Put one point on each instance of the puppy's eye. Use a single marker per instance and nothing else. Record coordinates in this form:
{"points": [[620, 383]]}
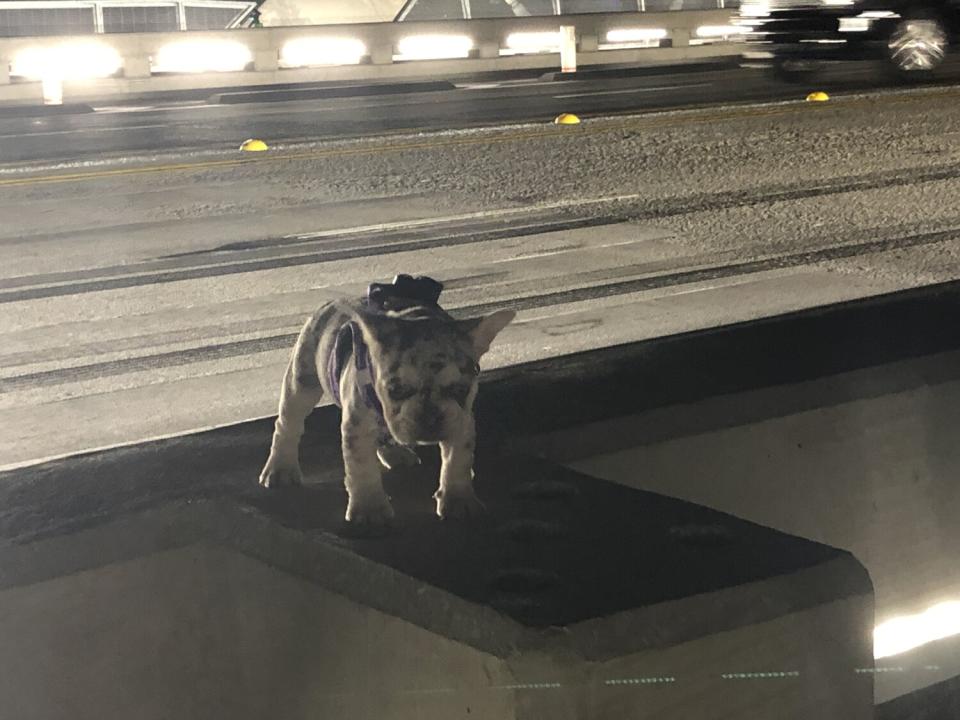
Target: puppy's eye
{"points": [[398, 391], [459, 392]]}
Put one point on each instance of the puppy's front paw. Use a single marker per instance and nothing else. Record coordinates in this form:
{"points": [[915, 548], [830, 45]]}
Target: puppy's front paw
{"points": [[462, 503], [369, 510], [276, 474]]}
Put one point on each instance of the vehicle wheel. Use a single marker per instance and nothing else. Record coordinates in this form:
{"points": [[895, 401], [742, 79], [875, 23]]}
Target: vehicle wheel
{"points": [[795, 71], [917, 45]]}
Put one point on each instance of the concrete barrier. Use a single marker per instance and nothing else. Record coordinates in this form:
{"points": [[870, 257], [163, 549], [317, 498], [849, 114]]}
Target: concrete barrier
{"points": [[383, 51], [837, 425], [573, 599]]}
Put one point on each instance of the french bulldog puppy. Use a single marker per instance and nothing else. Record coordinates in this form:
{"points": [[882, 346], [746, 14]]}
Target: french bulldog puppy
{"points": [[404, 373]]}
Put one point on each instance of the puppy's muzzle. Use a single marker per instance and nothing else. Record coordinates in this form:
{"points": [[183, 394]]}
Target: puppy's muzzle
{"points": [[429, 424]]}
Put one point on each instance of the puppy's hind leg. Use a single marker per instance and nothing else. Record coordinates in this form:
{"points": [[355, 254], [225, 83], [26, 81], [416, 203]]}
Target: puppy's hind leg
{"points": [[299, 395]]}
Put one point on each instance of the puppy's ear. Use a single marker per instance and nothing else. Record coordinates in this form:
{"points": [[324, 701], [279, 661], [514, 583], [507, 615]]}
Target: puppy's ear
{"points": [[483, 330]]}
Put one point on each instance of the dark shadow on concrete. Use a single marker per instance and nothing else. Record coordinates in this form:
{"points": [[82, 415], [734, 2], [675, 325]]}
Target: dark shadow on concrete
{"points": [[937, 702]]}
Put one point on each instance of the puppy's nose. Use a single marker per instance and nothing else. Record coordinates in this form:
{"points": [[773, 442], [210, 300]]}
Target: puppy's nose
{"points": [[429, 419]]}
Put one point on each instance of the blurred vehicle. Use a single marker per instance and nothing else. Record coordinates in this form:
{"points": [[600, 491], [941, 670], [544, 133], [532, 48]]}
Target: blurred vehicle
{"points": [[794, 37]]}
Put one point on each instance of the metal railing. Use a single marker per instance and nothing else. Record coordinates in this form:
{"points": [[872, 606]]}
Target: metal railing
{"points": [[26, 18], [424, 10]]}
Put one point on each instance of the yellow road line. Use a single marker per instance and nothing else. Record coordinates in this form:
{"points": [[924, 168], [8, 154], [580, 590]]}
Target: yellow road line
{"points": [[695, 118]]}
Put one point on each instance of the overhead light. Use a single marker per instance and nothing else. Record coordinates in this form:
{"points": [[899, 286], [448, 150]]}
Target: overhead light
{"points": [[434, 47], [533, 42], [77, 60], [196, 56], [317, 51], [631, 35], [910, 631]]}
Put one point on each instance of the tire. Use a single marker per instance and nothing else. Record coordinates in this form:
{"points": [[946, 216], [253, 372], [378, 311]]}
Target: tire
{"points": [[916, 46]]}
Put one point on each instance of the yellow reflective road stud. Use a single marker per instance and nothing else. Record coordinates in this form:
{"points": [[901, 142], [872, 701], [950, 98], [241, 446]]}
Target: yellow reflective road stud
{"points": [[566, 119], [253, 145]]}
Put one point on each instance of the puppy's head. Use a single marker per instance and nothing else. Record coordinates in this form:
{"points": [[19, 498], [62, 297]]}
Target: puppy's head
{"points": [[426, 370]]}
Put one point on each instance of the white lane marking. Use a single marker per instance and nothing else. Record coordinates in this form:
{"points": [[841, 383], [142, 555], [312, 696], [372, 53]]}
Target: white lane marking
{"points": [[478, 86], [560, 251], [84, 130], [480, 214], [631, 90], [117, 110], [242, 109], [112, 109], [370, 102], [515, 84]]}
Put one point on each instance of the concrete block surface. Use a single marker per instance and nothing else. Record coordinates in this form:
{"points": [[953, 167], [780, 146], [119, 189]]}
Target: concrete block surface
{"points": [[572, 598]]}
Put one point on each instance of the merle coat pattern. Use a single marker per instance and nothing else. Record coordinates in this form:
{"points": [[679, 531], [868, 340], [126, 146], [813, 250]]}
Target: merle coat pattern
{"points": [[425, 367]]}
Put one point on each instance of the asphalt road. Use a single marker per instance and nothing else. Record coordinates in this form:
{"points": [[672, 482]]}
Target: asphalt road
{"points": [[152, 127], [142, 297]]}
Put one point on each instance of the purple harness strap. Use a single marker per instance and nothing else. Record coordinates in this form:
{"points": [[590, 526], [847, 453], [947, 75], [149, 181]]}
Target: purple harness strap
{"points": [[365, 377], [422, 289]]}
